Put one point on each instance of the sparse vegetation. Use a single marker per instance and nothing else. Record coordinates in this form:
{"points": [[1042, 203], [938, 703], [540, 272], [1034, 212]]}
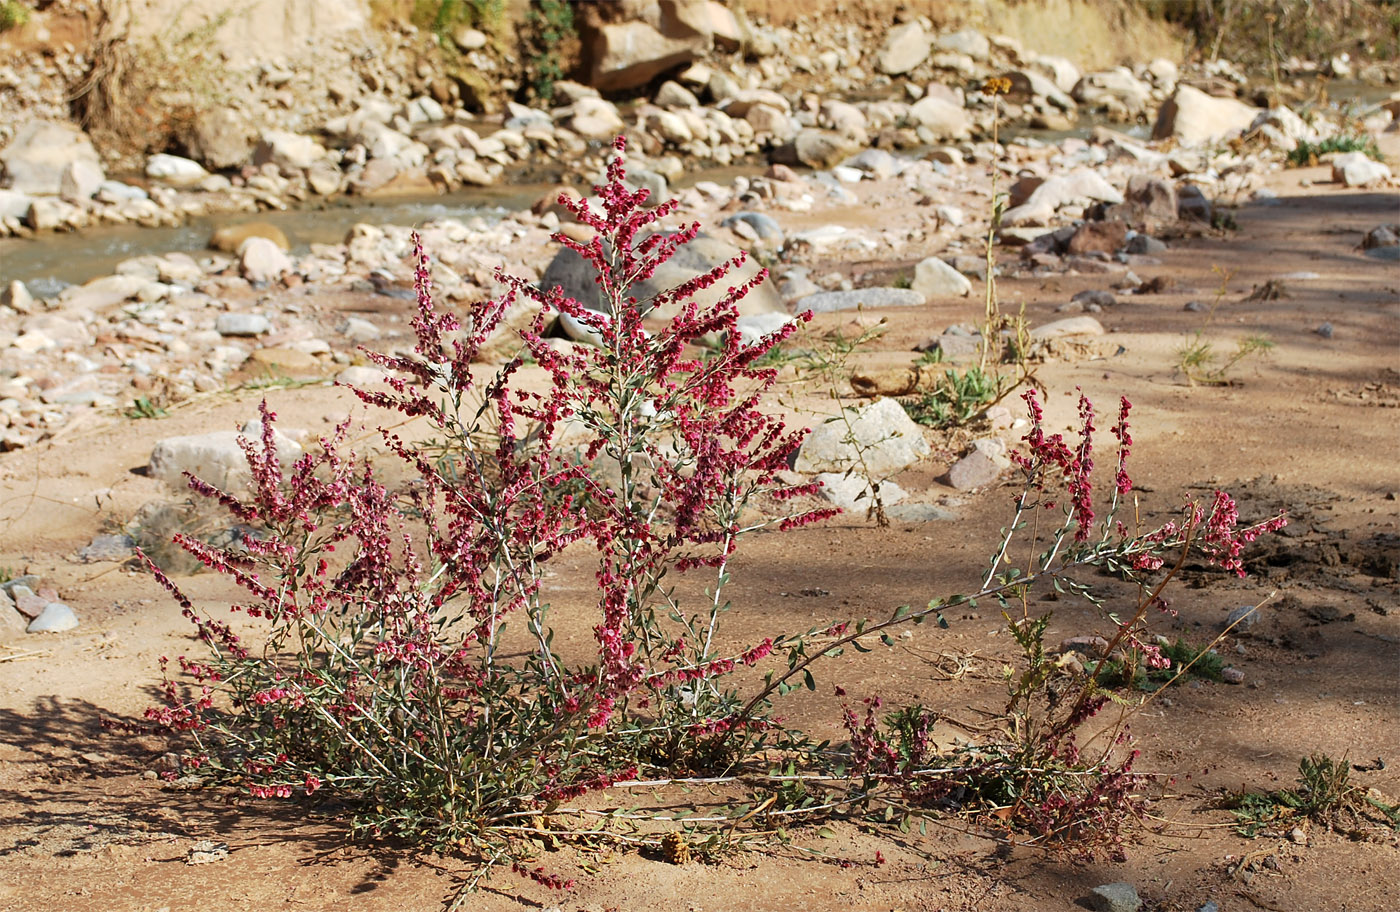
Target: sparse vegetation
{"points": [[1324, 790], [549, 24], [141, 97], [958, 397], [1308, 153], [1197, 358], [13, 14]]}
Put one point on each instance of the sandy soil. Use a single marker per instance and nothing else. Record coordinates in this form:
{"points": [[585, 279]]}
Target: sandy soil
{"points": [[1312, 428]]}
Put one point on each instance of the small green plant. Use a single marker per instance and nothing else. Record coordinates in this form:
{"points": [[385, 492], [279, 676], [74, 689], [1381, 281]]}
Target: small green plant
{"points": [[13, 14], [1324, 787], [1197, 359], [1306, 153], [1134, 673], [956, 399], [143, 407]]}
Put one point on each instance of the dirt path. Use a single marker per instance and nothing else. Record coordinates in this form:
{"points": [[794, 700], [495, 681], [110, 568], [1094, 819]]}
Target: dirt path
{"points": [[1311, 428]]}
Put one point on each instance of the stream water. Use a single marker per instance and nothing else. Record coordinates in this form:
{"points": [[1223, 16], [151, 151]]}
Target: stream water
{"points": [[47, 264]]}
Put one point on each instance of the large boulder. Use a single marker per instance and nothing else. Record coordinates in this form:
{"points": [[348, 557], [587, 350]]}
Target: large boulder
{"points": [[628, 55], [906, 46], [942, 118], [1192, 117], [220, 138], [881, 439], [570, 273], [819, 149], [215, 457], [290, 152], [40, 152]]}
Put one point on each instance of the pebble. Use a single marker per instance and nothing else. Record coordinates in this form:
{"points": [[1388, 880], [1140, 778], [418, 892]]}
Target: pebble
{"points": [[981, 466], [1231, 675], [1244, 617], [55, 618], [242, 324], [107, 548], [1325, 330], [1115, 897]]}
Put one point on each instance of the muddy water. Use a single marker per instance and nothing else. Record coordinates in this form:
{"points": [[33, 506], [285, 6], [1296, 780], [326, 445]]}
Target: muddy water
{"points": [[47, 263]]}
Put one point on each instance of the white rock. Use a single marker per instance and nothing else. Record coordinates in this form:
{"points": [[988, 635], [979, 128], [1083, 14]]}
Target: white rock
{"points": [[969, 42], [104, 292], [755, 326], [853, 492], [906, 46], [117, 192], [1193, 117], [358, 329], [81, 180], [174, 170], [941, 117], [261, 260], [215, 457], [39, 153], [55, 618], [1070, 326], [882, 440], [595, 118], [242, 324], [934, 278], [1354, 169], [362, 377], [16, 296], [290, 152]]}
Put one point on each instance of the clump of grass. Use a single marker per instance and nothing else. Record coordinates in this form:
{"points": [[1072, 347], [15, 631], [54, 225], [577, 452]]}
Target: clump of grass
{"points": [[143, 407], [13, 15], [1324, 787], [1133, 673], [1197, 359], [956, 399], [1306, 154]]}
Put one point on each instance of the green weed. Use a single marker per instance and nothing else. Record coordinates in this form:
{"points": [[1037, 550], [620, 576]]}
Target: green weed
{"points": [[1308, 153], [1197, 359], [1324, 786], [956, 400], [13, 15], [143, 407]]}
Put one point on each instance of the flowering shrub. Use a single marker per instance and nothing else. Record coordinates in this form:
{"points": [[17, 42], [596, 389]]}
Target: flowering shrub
{"points": [[388, 674], [384, 666]]}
